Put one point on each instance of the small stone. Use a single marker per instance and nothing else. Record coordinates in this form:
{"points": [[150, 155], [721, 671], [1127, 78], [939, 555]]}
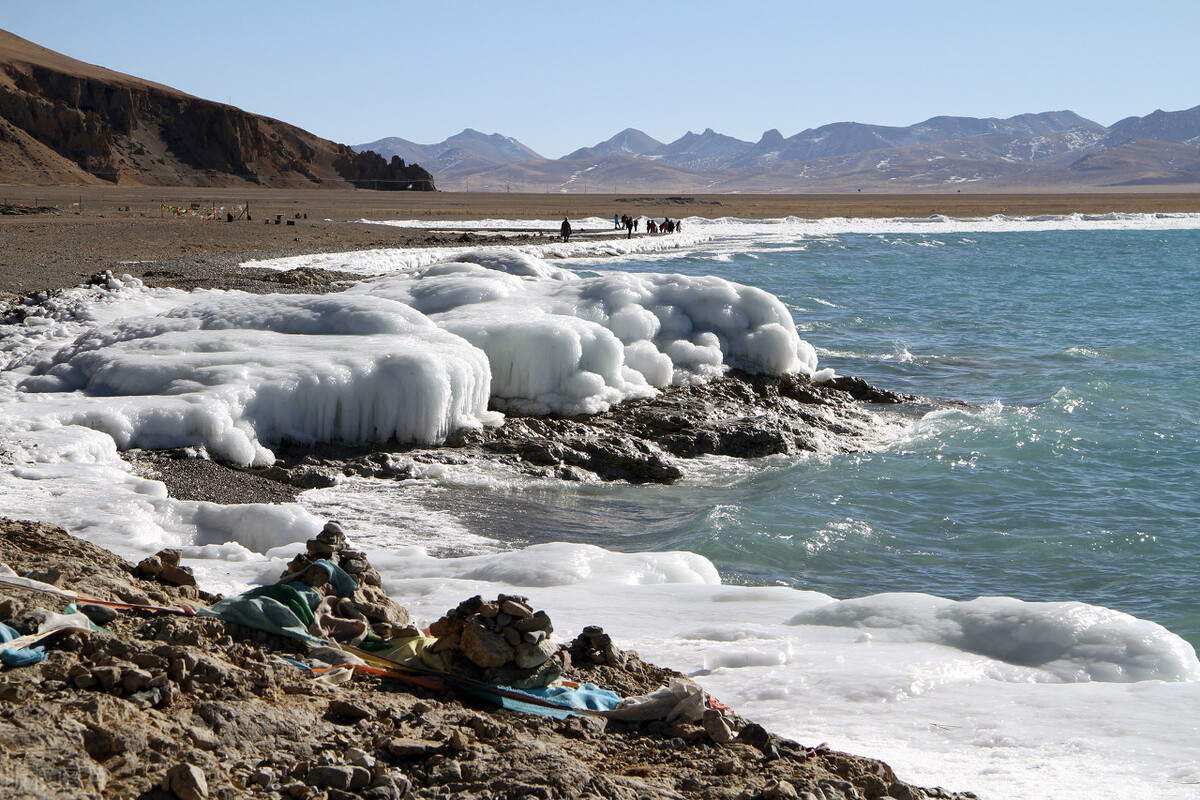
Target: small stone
{"points": [[177, 575], [86, 681], [387, 787], [685, 731], [538, 622], [403, 746], [459, 741], [99, 615], [354, 755], [297, 790], [54, 577], [716, 726], [613, 656], [332, 776], [203, 737], [319, 549], [186, 781], [150, 566], [333, 533], [485, 728], [350, 711], [107, 677], [485, 648], [780, 790], [516, 609], [169, 557], [528, 656], [754, 735], [134, 680]]}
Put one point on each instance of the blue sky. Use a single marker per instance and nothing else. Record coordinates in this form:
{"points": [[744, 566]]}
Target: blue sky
{"points": [[562, 75]]}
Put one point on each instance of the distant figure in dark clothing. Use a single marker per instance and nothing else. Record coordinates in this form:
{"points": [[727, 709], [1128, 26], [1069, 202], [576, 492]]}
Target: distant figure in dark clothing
{"points": [[565, 230], [629, 227]]}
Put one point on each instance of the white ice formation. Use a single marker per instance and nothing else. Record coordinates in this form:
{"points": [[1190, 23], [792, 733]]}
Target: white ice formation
{"points": [[409, 356]]}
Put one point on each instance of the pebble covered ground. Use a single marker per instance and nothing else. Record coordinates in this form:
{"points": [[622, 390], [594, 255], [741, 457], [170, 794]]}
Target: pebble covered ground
{"points": [[161, 706]]}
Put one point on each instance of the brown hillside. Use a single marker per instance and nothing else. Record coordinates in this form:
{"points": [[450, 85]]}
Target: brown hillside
{"points": [[64, 121]]}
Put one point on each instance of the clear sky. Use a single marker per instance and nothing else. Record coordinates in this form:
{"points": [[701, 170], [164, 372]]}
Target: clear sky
{"points": [[561, 75]]}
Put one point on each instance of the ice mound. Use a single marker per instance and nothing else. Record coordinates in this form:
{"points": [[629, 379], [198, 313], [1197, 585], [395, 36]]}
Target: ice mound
{"points": [[562, 344], [232, 371], [1065, 641], [410, 356]]}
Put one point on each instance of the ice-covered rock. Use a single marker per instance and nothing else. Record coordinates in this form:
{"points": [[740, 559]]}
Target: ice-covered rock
{"points": [[409, 357]]}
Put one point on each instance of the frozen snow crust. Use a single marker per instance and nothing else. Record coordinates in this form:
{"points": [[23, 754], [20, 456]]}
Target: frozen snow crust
{"points": [[410, 356]]}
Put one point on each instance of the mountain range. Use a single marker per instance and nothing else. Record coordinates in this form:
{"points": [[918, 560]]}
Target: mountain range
{"points": [[65, 121], [1049, 151]]}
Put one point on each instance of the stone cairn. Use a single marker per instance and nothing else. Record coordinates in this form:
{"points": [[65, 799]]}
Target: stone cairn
{"points": [[164, 567], [502, 641], [369, 603]]}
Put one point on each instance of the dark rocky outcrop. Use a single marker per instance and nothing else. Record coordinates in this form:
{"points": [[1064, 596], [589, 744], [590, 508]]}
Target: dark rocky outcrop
{"points": [[639, 441], [368, 170]]}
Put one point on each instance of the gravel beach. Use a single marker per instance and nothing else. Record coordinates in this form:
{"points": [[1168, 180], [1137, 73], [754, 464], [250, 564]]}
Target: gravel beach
{"points": [[134, 230]]}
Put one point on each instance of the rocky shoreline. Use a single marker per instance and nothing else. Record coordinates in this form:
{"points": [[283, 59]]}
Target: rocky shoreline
{"points": [[639, 441], [170, 706]]}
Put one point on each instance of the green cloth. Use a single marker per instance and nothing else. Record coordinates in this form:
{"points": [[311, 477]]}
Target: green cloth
{"points": [[282, 608], [285, 608]]}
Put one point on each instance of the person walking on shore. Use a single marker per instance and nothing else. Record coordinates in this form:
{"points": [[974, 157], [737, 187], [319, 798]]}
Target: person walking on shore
{"points": [[565, 230]]}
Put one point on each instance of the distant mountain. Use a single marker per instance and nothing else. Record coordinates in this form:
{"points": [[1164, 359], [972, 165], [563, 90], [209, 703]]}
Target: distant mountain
{"points": [[466, 150], [842, 138], [1050, 151], [64, 121], [1170, 126], [705, 151], [629, 142]]}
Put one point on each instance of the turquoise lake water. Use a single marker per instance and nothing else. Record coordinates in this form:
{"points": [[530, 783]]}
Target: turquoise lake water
{"points": [[1072, 474]]}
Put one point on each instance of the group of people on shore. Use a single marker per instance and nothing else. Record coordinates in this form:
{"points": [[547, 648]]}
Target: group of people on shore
{"points": [[629, 224]]}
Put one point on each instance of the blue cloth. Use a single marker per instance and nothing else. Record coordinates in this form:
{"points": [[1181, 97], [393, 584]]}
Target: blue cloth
{"points": [[18, 658], [587, 696]]}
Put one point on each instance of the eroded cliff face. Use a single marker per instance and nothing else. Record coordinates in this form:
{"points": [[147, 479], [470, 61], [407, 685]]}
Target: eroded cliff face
{"points": [[75, 128]]}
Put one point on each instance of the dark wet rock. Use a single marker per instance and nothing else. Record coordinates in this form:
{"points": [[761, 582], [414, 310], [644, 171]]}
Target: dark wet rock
{"points": [[638, 441]]}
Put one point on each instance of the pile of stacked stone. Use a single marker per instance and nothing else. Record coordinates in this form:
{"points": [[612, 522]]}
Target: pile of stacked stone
{"points": [[502, 641], [369, 603], [164, 567], [594, 646]]}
